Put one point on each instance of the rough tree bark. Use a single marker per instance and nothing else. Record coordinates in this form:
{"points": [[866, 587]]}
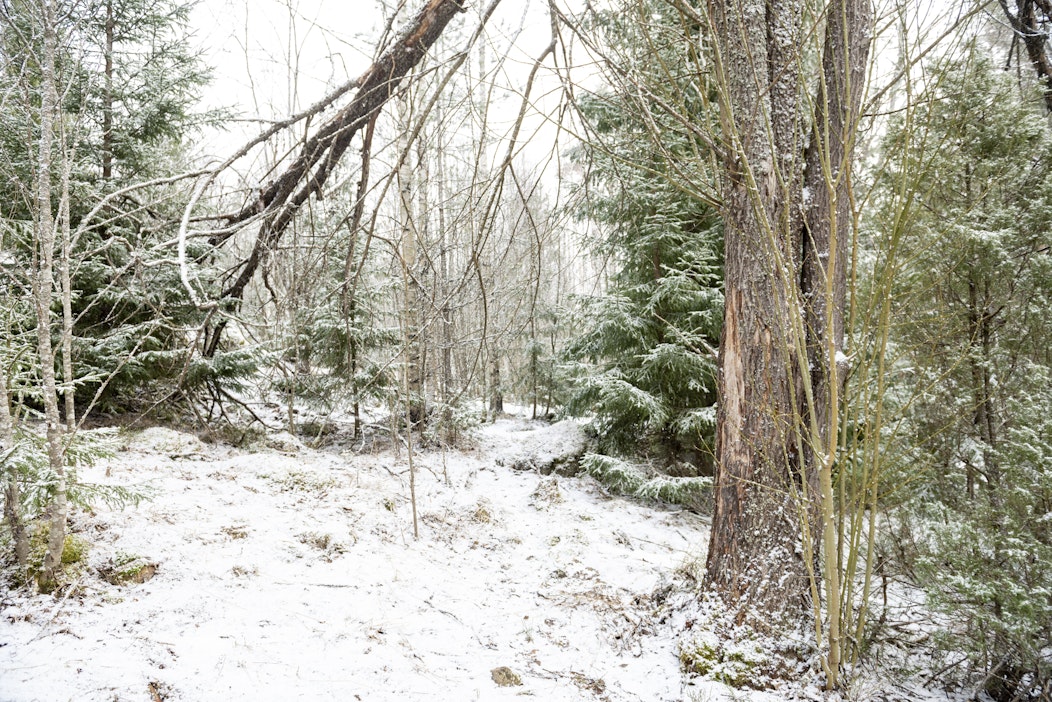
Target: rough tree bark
{"points": [[755, 535], [787, 225]]}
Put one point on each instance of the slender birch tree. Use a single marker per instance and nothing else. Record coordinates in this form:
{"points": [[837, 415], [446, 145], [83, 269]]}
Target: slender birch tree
{"points": [[43, 284]]}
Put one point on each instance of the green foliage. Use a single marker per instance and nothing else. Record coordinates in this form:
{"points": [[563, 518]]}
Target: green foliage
{"points": [[135, 327], [228, 369], [988, 560], [73, 560], [133, 324], [126, 568], [968, 190], [342, 340], [542, 380], [737, 666], [650, 338], [28, 457], [453, 423], [156, 80], [330, 341], [636, 481]]}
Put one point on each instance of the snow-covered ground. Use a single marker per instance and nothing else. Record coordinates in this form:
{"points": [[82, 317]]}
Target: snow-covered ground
{"points": [[286, 573]]}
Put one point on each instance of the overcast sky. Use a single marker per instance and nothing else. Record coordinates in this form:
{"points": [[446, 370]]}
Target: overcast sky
{"points": [[273, 55]]}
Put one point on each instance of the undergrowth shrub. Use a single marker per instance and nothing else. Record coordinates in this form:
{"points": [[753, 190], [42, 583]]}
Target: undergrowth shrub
{"points": [[635, 480]]}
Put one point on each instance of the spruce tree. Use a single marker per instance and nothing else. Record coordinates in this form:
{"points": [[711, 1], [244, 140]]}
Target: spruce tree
{"points": [[129, 86], [651, 335]]}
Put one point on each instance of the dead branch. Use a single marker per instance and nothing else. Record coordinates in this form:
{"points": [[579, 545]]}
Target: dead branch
{"points": [[276, 203]]}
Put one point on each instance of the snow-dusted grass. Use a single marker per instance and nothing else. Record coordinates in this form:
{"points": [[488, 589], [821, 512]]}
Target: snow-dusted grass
{"points": [[287, 573]]}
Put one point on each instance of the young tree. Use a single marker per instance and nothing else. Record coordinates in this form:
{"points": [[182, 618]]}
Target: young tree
{"points": [[129, 83], [75, 243], [43, 279], [654, 330]]}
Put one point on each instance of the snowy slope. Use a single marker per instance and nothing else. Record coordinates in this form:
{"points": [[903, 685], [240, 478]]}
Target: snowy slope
{"points": [[295, 575]]}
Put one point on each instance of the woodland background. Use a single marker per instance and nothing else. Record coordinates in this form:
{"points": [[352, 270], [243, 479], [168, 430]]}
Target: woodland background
{"points": [[488, 213]]}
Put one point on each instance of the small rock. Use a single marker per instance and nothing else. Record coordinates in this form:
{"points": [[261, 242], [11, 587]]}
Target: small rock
{"points": [[128, 570]]}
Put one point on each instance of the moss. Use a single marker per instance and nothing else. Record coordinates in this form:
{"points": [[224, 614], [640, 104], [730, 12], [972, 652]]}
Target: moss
{"points": [[698, 658], [74, 550], [736, 667], [126, 568], [74, 555]]}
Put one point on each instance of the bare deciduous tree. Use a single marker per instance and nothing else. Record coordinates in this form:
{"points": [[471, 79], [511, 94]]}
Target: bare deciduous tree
{"points": [[43, 285]]}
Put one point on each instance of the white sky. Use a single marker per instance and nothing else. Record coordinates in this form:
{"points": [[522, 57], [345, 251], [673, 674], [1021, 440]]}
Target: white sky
{"points": [[273, 57]]}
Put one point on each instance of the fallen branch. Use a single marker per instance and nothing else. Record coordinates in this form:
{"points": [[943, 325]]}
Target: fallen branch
{"points": [[276, 203]]}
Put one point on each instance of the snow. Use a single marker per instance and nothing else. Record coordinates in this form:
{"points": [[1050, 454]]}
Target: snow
{"points": [[523, 444], [289, 573]]}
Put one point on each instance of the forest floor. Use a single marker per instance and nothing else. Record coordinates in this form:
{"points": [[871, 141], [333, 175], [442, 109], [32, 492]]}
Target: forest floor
{"points": [[287, 573], [280, 572]]}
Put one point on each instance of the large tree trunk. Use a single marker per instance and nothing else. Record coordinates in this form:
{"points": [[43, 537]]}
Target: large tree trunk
{"points": [[784, 295], [753, 556]]}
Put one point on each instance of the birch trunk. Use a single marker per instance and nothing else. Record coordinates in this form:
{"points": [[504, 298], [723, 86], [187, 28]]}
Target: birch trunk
{"points": [[43, 285]]}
